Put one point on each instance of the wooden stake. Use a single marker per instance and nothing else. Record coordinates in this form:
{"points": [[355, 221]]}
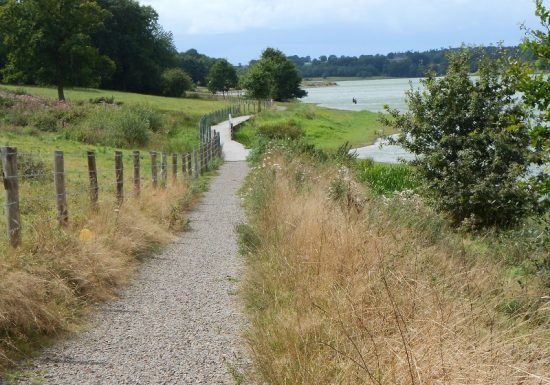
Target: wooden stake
{"points": [[11, 185], [119, 173], [92, 175], [137, 173], [154, 179], [60, 193]]}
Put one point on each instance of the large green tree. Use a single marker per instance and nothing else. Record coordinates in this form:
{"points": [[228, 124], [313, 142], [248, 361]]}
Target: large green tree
{"points": [[471, 137], [195, 64], [49, 41], [536, 91], [137, 43], [257, 83], [222, 77], [283, 80]]}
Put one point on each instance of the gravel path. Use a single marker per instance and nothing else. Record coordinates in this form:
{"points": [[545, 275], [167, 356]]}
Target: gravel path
{"points": [[180, 322]]}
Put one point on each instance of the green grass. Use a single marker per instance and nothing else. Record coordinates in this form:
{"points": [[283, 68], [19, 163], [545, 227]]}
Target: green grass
{"points": [[326, 128], [386, 179], [193, 107], [140, 122]]}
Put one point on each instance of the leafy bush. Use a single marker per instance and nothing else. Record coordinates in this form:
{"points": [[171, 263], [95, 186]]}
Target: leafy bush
{"points": [[45, 121], [472, 141], [153, 117], [118, 127], [175, 82], [6, 102], [287, 129], [134, 127]]}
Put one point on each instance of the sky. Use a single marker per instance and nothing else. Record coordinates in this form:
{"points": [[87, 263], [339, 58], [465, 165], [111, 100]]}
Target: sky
{"points": [[239, 30]]}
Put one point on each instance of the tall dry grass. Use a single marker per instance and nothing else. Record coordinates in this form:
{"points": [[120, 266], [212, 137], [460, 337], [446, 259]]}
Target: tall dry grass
{"points": [[341, 290], [51, 283]]}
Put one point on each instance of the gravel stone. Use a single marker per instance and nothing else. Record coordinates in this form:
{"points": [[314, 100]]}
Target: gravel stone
{"points": [[180, 321]]}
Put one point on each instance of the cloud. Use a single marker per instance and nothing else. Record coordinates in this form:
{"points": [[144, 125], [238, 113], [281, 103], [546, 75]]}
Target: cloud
{"points": [[210, 17]]}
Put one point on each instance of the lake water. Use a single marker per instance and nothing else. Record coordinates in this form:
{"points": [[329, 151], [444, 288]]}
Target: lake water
{"points": [[371, 95]]}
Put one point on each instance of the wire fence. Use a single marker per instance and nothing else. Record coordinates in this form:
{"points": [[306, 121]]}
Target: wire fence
{"points": [[58, 186]]}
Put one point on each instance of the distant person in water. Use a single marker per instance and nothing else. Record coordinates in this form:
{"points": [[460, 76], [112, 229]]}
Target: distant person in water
{"points": [[354, 101]]}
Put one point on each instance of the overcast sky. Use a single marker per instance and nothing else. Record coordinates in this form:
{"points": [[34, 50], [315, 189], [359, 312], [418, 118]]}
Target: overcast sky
{"points": [[239, 30]]}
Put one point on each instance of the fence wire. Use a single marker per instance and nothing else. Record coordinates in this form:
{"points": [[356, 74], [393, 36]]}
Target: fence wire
{"points": [[36, 179]]}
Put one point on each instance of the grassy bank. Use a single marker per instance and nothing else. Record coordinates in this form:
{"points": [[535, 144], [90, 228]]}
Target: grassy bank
{"points": [[191, 107], [345, 286], [53, 281], [322, 127]]}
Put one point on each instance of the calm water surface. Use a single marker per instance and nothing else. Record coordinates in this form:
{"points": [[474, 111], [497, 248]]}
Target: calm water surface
{"points": [[371, 95]]}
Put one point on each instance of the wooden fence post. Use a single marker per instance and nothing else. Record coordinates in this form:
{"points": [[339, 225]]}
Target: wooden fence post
{"points": [[137, 173], [92, 175], [204, 157], [174, 168], [154, 179], [11, 185], [119, 173], [188, 167], [163, 170], [60, 192], [183, 165], [195, 164]]}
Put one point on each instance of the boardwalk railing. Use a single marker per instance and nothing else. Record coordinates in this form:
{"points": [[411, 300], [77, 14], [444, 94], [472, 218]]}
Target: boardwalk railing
{"points": [[39, 184], [242, 107]]}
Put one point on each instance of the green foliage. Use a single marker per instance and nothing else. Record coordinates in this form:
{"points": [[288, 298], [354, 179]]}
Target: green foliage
{"points": [[49, 41], [536, 91], [175, 82], [386, 179], [273, 76], [105, 100], [118, 127], [133, 38], [6, 102], [257, 82], [222, 77], [410, 64], [286, 129], [195, 64], [472, 139]]}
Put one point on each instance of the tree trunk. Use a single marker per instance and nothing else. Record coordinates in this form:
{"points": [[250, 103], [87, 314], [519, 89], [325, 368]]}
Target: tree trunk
{"points": [[60, 93], [259, 105]]}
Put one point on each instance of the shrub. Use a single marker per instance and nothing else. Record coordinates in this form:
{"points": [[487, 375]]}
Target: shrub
{"points": [[134, 128], [45, 121], [6, 102], [287, 129], [472, 141], [175, 82]]}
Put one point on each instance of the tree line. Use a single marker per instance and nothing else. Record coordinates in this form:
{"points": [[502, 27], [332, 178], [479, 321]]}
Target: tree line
{"points": [[111, 44], [403, 64], [118, 45]]}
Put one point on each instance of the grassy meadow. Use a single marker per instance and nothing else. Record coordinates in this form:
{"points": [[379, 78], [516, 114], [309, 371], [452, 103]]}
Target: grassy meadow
{"points": [[50, 283], [347, 283], [325, 128]]}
